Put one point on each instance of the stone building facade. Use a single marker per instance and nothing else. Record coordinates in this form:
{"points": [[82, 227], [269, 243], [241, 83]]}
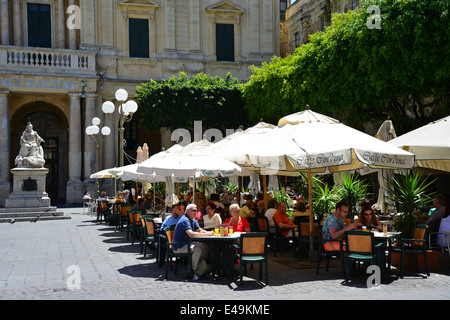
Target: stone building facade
{"points": [[61, 59], [305, 17]]}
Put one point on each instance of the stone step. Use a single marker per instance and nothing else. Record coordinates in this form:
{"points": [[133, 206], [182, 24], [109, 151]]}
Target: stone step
{"points": [[29, 210], [31, 214]]}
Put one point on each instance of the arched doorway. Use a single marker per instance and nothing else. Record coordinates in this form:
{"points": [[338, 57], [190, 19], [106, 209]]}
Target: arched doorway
{"points": [[52, 125]]}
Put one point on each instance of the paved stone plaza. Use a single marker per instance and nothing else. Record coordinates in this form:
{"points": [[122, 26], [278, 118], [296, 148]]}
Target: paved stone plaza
{"points": [[38, 259]]}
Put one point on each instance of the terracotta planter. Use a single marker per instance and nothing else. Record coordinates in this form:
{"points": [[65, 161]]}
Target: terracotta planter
{"points": [[433, 261]]}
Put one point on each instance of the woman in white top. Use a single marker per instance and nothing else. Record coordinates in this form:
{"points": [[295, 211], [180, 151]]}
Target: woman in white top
{"points": [[211, 219]]}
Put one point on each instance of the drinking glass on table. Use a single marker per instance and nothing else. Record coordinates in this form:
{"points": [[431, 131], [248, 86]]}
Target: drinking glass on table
{"points": [[216, 231], [230, 230]]}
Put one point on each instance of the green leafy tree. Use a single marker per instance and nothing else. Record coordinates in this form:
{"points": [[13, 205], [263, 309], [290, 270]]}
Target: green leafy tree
{"points": [[360, 74], [178, 102]]}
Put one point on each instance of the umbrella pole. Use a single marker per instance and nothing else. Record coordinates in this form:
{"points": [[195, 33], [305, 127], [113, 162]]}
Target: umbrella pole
{"points": [[266, 198], [312, 252], [154, 197]]}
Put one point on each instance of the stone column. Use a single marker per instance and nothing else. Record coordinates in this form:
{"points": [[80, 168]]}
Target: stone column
{"points": [[61, 25], [72, 32], [153, 35], [75, 138], [169, 25], [194, 21], [253, 34], [267, 31], [4, 22], [4, 146], [17, 23], [212, 37], [107, 21], [89, 144], [89, 23]]}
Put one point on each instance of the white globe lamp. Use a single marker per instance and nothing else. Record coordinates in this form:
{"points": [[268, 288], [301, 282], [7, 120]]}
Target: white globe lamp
{"points": [[108, 107], [121, 95]]}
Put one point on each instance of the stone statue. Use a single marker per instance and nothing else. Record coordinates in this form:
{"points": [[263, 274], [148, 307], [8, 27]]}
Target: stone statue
{"points": [[31, 154]]}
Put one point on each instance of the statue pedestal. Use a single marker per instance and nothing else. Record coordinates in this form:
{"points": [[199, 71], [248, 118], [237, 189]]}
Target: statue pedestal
{"points": [[28, 189], [29, 201]]}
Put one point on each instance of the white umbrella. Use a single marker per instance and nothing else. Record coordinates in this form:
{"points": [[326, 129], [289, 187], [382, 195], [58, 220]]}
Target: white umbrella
{"points": [[194, 148], [429, 143], [309, 141], [102, 174], [192, 166], [234, 146], [323, 145]]}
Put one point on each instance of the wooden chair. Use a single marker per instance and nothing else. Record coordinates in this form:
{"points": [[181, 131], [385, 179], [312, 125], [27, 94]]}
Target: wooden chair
{"points": [[123, 218], [360, 247], [262, 224], [284, 241], [303, 233], [115, 215], [148, 233], [103, 210], [253, 249], [162, 244], [171, 254], [134, 224], [416, 246], [337, 251]]}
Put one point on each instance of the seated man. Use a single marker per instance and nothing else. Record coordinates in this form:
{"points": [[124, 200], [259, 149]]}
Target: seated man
{"points": [[333, 226], [174, 217], [186, 229], [171, 220], [281, 219]]}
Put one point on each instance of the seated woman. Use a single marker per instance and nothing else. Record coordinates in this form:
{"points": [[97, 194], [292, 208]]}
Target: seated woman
{"points": [[300, 211], [119, 197], [211, 219], [368, 219], [239, 224]]}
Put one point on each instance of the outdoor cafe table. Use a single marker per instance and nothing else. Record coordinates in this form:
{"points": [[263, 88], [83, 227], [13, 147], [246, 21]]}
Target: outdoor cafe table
{"points": [[221, 252], [386, 239]]}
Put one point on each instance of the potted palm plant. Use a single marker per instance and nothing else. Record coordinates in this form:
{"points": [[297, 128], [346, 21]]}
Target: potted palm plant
{"points": [[352, 190], [324, 200], [410, 193]]}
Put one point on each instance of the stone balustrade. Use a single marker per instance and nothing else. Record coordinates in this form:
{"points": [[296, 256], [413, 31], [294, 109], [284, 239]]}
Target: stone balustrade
{"points": [[43, 60]]}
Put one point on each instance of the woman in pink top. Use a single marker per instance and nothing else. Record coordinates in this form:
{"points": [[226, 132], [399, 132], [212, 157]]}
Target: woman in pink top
{"points": [[239, 224]]}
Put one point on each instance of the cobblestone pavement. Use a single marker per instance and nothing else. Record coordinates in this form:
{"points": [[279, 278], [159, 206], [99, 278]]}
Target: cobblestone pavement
{"points": [[36, 260]]}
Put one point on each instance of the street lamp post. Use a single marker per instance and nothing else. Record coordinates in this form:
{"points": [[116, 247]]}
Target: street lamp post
{"points": [[125, 111], [96, 135]]}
